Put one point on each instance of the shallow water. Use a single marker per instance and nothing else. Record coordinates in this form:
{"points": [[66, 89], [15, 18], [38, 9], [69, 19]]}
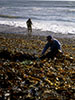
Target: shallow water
{"points": [[55, 16]]}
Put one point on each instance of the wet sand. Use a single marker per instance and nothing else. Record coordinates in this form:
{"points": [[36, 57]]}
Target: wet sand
{"points": [[23, 30]]}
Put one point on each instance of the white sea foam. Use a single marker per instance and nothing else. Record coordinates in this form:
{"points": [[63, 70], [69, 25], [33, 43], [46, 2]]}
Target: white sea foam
{"points": [[36, 9], [14, 23], [54, 26]]}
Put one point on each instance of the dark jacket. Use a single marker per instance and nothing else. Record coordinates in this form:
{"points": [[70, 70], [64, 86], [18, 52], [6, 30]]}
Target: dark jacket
{"points": [[55, 45]]}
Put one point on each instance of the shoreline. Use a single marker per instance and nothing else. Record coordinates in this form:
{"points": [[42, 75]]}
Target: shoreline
{"points": [[6, 29]]}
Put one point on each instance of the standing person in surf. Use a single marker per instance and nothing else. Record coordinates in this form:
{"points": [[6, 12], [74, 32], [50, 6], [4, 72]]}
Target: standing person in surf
{"points": [[29, 25]]}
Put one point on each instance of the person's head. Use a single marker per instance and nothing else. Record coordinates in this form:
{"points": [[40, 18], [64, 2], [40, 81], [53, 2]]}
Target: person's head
{"points": [[29, 19], [49, 38]]}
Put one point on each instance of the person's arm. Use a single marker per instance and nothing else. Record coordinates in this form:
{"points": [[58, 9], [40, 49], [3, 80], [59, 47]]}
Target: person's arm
{"points": [[27, 22], [45, 48], [59, 48]]}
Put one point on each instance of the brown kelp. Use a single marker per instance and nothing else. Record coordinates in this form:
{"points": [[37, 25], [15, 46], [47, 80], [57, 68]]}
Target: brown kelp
{"points": [[23, 76]]}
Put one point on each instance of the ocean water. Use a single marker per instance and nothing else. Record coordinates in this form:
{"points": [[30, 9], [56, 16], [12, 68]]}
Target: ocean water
{"points": [[55, 16]]}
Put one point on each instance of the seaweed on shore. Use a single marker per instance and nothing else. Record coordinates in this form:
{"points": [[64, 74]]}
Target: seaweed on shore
{"points": [[24, 77]]}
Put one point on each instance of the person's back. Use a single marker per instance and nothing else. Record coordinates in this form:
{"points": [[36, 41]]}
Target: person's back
{"points": [[55, 45]]}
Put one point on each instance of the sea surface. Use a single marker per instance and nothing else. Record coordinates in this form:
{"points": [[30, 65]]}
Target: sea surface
{"points": [[55, 16]]}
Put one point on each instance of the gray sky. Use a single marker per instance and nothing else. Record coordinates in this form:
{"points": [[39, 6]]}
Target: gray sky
{"points": [[53, 0]]}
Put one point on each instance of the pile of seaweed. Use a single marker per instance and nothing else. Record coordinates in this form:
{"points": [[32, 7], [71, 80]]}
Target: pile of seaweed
{"points": [[17, 56], [23, 76]]}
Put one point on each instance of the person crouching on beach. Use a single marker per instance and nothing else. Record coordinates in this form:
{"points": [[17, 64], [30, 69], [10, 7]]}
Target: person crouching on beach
{"points": [[29, 25], [55, 47]]}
